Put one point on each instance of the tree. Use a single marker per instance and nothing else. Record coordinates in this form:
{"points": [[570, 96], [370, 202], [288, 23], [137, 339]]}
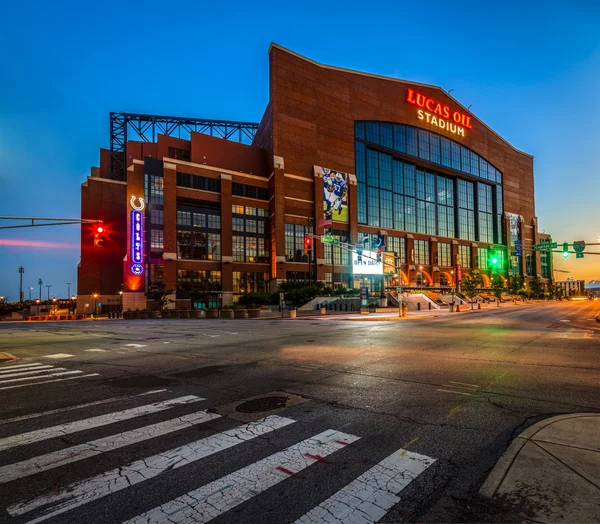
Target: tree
{"points": [[497, 286], [515, 283], [552, 290], [470, 283], [536, 287], [158, 291], [200, 290]]}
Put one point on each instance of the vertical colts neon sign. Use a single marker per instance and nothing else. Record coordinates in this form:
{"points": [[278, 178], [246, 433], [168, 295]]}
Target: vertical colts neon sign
{"points": [[136, 247]]}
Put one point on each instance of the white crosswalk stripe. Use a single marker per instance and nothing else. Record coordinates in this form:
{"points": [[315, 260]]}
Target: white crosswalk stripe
{"points": [[364, 500], [11, 369], [34, 374], [50, 381], [214, 499], [90, 423], [41, 377], [27, 371], [103, 445], [368, 498], [120, 478]]}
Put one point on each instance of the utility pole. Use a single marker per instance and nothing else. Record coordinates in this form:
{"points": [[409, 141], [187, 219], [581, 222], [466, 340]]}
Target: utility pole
{"points": [[48, 286], [30, 290], [40, 282], [21, 271]]}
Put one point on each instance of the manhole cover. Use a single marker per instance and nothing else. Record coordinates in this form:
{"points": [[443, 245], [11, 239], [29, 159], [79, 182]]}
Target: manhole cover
{"points": [[258, 405]]}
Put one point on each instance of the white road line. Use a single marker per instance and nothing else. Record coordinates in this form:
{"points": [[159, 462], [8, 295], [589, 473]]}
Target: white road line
{"points": [[9, 369], [214, 499], [78, 406], [136, 345], [472, 390], [40, 377], [96, 350], [464, 384], [100, 486], [27, 371], [58, 355], [93, 422], [369, 497], [50, 381], [456, 392], [59, 458]]}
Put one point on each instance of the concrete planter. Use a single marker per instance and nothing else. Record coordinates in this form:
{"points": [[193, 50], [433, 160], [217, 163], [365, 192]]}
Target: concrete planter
{"points": [[144, 314], [383, 302], [136, 315], [183, 313], [212, 313], [126, 315], [154, 314], [240, 313], [226, 313], [253, 313], [197, 313], [167, 313]]}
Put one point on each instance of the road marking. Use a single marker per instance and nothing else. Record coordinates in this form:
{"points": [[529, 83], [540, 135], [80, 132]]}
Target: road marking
{"points": [[59, 458], [112, 481], [564, 321], [58, 355], [457, 392], [93, 422], [214, 499], [50, 381], [369, 497], [454, 410], [136, 345], [78, 406], [9, 369], [27, 371], [464, 384], [39, 377], [96, 350]]}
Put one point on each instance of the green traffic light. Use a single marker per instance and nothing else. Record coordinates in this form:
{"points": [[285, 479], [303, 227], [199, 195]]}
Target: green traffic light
{"points": [[565, 254], [494, 260]]}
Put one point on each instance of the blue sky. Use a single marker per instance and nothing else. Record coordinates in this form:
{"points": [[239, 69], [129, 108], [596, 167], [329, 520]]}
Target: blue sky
{"points": [[531, 73]]}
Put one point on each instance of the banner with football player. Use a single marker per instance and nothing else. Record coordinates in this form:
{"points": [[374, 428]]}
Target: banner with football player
{"points": [[335, 195]]}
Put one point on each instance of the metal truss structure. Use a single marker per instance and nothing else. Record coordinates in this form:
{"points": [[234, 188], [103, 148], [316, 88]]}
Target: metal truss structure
{"points": [[146, 128]]}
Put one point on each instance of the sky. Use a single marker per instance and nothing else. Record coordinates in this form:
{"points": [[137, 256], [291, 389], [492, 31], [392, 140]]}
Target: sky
{"points": [[529, 70]]}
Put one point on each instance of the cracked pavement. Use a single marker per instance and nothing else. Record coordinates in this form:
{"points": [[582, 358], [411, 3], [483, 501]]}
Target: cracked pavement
{"points": [[445, 395]]}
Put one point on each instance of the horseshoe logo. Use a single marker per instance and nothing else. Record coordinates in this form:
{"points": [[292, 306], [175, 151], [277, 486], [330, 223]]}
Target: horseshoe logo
{"points": [[139, 207]]}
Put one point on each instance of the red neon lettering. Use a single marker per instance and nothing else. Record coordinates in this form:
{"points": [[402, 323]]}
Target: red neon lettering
{"points": [[456, 117], [438, 109], [421, 100], [410, 97], [427, 104], [468, 125], [446, 112]]}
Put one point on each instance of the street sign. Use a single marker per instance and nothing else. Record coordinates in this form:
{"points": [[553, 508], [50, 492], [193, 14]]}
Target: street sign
{"points": [[545, 245], [281, 296], [364, 296], [579, 246], [578, 255], [518, 242], [328, 239]]}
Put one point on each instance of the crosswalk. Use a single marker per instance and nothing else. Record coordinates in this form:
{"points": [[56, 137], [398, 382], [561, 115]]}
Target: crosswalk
{"points": [[26, 375], [44, 452]]}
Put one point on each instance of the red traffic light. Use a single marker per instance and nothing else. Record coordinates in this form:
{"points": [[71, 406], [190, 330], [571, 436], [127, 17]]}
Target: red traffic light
{"points": [[100, 229], [307, 241]]}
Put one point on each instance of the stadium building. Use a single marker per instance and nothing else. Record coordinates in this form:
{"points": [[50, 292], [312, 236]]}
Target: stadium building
{"points": [[393, 166]]}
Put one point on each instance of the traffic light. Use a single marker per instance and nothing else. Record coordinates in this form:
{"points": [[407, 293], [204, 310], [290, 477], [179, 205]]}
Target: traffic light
{"points": [[493, 258], [99, 237], [307, 245], [379, 252], [566, 250]]}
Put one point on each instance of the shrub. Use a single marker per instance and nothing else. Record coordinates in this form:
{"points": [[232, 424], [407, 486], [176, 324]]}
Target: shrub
{"points": [[258, 299]]}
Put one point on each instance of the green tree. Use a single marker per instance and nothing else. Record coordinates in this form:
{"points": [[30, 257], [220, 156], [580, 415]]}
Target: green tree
{"points": [[158, 291], [497, 286], [536, 287], [470, 283], [515, 283], [552, 290], [200, 290]]}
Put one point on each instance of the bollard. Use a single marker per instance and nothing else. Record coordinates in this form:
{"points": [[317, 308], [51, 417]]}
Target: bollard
{"points": [[323, 310], [429, 304], [293, 313], [418, 306]]}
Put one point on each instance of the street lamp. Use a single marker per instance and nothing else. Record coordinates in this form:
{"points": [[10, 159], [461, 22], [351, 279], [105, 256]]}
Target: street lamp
{"points": [[54, 305], [95, 305], [421, 273], [121, 298]]}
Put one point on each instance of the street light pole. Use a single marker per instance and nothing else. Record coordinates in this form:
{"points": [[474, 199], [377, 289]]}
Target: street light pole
{"points": [[40, 284], [48, 286], [21, 271], [30, 290]]}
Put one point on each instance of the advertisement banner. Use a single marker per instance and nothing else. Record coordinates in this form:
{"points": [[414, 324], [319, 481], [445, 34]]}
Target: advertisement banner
{"points": [[459, 277], [366, 263], [335, 194], [389, 262]]}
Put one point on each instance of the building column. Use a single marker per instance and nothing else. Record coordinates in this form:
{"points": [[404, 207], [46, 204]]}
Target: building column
{"points": [[411, 270], [435, 269], [170, 229], [226, 246]]}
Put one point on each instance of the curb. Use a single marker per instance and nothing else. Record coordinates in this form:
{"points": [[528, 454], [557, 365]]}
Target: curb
{"points": [[7, 357], [500, 470]]}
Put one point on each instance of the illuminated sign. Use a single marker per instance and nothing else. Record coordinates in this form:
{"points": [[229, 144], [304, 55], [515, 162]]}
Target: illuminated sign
{"points": [[137, 236], [438, 114], [366, 266]]}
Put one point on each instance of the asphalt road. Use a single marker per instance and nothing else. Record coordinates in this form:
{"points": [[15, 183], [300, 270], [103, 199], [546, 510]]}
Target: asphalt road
{"points": [[146, 420]]}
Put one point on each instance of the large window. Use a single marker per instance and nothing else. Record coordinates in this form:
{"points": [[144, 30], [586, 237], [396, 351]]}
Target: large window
{"points": [[444, 255], [545, 257], [427, 146], [398, 247], [294, 242], [341, 256], [198, 182], [466, 210], [482, 258], [250, 282], [245, 190], [156, 190], [486, 213], [422, 252], [198, 232], [249, 240], [464, 256]]}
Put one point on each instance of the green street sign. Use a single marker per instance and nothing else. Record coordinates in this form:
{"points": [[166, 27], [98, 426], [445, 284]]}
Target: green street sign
{"points": [[328, 239], [578, 255], [545, 245]]}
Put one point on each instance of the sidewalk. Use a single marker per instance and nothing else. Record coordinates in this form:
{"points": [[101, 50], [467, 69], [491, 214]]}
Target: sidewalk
{"points": [[551, 471]]}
